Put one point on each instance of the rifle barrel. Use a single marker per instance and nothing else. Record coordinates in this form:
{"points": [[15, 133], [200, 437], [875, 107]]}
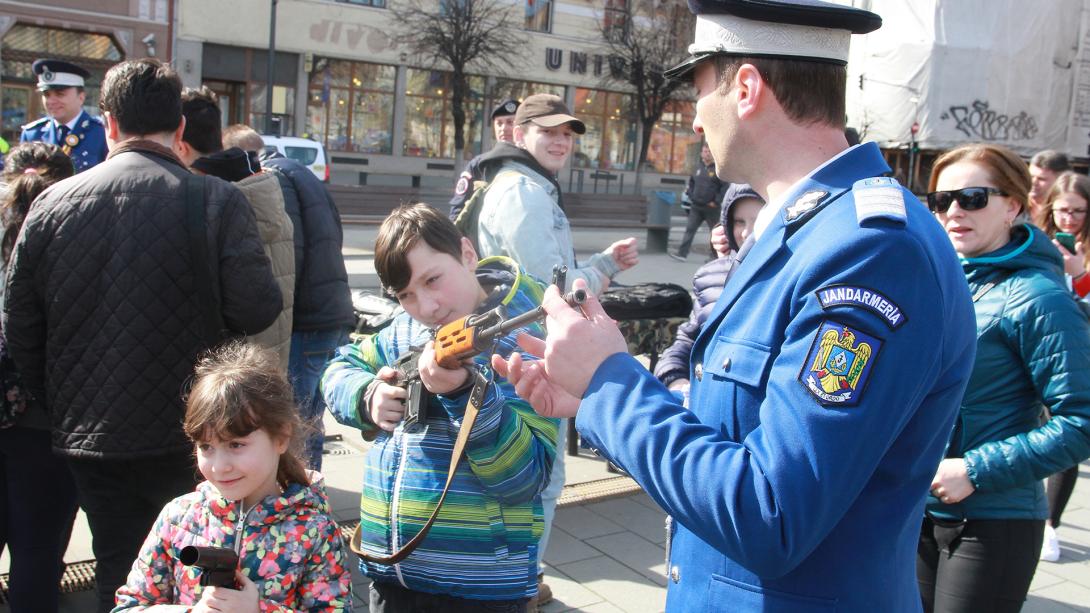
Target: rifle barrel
{"points": [[573, 298]]}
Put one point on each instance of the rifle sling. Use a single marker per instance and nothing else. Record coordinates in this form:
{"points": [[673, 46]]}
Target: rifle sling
{"points": [[473, 406]]}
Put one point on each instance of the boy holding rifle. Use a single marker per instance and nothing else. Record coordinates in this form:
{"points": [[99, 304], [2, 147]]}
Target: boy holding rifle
{"points": [[482, 551]]}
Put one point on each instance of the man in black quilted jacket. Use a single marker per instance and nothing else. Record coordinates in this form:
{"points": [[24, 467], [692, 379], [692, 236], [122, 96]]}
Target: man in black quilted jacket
{"points": [[104, 313]]}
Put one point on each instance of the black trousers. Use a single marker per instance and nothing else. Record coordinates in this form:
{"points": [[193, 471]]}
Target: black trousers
{"points": [[37, 508], [122, 499], [698, 214], [1060, 487], [391, 598], [988, 567]]}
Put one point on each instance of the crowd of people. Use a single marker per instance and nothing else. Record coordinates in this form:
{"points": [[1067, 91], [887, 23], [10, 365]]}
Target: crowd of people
{"points": [[878, 439]]}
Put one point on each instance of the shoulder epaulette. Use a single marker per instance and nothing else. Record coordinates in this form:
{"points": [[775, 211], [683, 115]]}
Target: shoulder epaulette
{"points": [[879, 198], [35, 123]]}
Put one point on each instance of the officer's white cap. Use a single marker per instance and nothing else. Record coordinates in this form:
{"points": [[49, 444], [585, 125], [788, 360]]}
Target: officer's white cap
{"points": [[807, 30]]}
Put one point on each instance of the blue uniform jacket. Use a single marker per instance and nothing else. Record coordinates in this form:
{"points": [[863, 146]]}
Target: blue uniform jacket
{"points": [[89, 151], [824, 389]]}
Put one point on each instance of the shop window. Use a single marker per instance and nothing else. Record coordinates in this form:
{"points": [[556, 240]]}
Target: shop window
{"points": [[350, 105], [610, 141], [283, 108], [539, 16], [381, 4], [429, 126], [674, 147]]}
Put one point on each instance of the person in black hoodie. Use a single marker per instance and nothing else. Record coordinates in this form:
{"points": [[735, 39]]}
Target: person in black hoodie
{"points": [[740, 207], [705, 191]]}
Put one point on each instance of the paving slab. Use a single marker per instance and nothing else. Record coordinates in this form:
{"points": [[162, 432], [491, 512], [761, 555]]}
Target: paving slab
{"points": [[617, 584]]}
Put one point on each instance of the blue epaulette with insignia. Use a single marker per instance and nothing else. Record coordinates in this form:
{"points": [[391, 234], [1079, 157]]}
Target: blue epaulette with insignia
{"points": [[35, 123], [879, 198]]}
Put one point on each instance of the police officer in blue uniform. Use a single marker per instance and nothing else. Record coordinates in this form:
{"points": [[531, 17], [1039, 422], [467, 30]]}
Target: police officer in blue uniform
{"points": [[825, 382], [66, 124]]}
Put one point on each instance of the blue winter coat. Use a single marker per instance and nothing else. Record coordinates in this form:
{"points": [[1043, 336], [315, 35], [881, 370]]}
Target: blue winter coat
{"points": [[1033, 351], [798, 475]]}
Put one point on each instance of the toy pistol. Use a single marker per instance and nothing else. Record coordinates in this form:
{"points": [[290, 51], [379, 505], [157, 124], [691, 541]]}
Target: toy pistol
{"points": [[217, 564], [465, 338]]}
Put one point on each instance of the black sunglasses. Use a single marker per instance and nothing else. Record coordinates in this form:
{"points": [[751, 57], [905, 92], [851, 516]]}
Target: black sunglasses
{"points": [[968, 198]]}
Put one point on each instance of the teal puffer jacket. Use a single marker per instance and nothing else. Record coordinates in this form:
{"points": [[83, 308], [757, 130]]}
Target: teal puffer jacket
{"points": [[1033, 351]]}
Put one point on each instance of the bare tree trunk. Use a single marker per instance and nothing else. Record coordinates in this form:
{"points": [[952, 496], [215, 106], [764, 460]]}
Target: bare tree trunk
{"points": [[458, 113]]}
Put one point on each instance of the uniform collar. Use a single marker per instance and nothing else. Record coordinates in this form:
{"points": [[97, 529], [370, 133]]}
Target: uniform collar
{"points": [[71, 124], [770, 211]]}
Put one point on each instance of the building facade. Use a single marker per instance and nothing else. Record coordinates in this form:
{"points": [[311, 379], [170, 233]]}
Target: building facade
{"points": [[342, 77], [95, 34]]}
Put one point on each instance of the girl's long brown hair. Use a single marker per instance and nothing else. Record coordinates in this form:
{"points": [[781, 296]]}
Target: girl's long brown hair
{"points": [[1067, 183], [239, 388], [29, 168]]}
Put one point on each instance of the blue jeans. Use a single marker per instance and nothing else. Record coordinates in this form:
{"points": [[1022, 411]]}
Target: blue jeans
{"points": [[310, 352]]}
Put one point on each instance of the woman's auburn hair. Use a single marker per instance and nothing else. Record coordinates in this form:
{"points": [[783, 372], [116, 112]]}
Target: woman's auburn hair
{"points": [[239, 388], [1007, 171]]}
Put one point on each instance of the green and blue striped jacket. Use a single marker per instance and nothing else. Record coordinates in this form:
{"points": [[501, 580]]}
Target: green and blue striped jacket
{"points": [[483, 545]]}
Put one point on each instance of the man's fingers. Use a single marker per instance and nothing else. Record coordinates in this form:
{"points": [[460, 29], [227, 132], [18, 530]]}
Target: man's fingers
{"points": [[532, 344], [499, 365], [387, 374], [593, 310], [557, 307]]}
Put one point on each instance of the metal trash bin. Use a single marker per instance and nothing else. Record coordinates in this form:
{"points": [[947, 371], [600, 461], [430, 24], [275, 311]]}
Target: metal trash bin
{"points": [[659, 207]]}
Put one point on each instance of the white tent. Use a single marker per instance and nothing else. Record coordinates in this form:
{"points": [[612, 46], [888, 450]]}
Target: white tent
{"points": [[1013, 72]]}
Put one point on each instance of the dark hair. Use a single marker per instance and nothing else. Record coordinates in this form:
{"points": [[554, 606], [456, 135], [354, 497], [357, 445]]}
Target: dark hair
{"points": [[1005, 168], [242, 136], [28, 169], [809, 92], [239, 388], [203, 121], [1051, 160], [143, 96], [400, 231], [1067, 183]]}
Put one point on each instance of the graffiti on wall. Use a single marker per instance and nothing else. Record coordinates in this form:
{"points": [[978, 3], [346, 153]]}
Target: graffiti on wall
{"points": [[351, 35], [979, 121]]}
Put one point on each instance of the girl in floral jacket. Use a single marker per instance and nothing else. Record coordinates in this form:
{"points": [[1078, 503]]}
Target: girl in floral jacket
{"points": [[258, 500]]}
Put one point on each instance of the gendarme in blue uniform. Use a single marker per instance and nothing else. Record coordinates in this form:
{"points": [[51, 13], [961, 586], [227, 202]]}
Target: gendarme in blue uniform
{"points": [[88, 136], [824, 388]]}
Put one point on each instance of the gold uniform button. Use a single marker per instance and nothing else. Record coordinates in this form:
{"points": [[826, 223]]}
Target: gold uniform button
{"points": [[699, 372]]}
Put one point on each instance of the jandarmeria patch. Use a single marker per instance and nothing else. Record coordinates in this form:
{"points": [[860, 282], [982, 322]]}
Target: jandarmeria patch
{"points": [[839, 364], [863, 297]]}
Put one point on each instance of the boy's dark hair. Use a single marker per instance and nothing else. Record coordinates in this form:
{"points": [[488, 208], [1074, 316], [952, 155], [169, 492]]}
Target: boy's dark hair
{"points": [[402, 229], [203, 120], [28, 169], [809, 92], [1051, 160], [143, 96]]}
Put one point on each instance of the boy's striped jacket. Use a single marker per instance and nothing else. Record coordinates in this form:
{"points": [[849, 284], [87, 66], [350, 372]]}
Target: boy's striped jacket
{"points": [[483, 544]]}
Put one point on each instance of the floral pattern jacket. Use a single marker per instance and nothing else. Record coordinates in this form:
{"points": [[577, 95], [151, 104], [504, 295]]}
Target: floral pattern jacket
{"points": [[288, 545]]}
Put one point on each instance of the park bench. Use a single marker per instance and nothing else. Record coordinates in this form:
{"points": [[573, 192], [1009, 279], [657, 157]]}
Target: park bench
{"points": [[370, 204]]}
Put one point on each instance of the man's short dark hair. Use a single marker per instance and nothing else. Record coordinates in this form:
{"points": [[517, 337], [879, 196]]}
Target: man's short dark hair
{"points": [[809, 92], [1051, 160], [143, 96], [402, 229], [203, 120]]}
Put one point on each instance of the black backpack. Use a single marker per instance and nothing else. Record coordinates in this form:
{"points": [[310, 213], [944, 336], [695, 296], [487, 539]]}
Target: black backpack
{"points": [[646, 301]]}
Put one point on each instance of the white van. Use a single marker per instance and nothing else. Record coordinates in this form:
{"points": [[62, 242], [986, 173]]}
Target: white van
{"points": [[307, 152]]}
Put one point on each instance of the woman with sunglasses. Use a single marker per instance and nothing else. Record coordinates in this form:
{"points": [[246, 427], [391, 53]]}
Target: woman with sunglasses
{"points": [[985, 516]]}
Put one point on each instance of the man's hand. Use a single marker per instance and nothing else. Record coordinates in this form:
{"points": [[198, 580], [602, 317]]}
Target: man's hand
{"points": [[226, 600], [951, 484], [437, 379], [1074, 263], [532, 384], [720, 242], [625, 253], [573, 351], [388, 402]]}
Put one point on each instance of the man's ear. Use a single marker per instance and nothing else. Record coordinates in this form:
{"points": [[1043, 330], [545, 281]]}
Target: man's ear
{"points": [[469, 254], [177, 137], [519, 135], [751, 90], [113, 130]]}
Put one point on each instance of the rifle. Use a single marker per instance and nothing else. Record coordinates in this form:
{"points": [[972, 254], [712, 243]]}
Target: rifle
{"points": [[465, 338], [217, 564]]}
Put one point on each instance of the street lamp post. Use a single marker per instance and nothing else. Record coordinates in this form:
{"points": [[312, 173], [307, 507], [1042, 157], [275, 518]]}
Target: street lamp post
{"points": [[271, 71]]}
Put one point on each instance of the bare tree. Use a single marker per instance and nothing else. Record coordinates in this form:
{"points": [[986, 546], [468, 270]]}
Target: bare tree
{"points": [[644, 38], [463, 35]]}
